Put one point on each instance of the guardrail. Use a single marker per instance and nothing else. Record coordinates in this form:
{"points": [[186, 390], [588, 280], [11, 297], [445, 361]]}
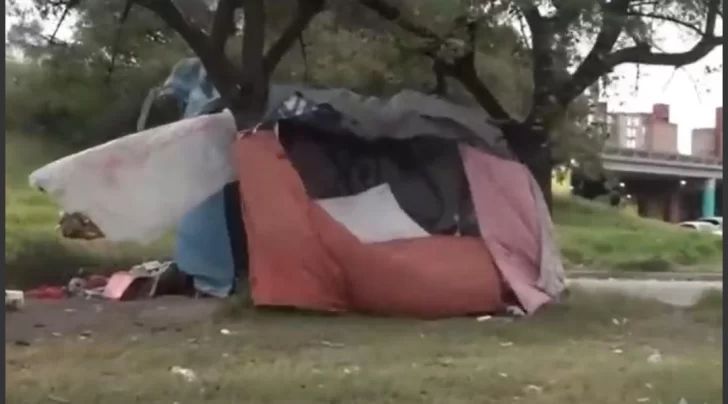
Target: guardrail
{"points": [[661, 156]]}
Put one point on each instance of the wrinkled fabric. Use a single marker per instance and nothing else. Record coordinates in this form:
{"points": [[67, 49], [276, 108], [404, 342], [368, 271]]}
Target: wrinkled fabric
{"points": [[202, 247], [406, 115], [137, 187], [510, 224], [301, 257], [552, 278]]}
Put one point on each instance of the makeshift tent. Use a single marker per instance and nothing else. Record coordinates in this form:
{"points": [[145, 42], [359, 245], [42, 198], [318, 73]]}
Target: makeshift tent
{"points": [[404, 206]]}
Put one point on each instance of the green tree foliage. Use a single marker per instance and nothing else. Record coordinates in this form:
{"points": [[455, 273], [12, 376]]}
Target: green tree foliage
{"points": [[66, 87]]}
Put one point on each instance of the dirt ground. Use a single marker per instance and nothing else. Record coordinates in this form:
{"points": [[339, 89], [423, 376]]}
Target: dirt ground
{"points": [[591, 349], [41, 319]]}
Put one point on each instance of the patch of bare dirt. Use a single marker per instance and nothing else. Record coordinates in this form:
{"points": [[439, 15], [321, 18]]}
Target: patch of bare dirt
{"points": [[41, 319]]}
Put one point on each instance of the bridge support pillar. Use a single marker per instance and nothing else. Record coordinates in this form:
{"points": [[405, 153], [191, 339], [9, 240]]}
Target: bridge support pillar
{"points": [[709, 198]]}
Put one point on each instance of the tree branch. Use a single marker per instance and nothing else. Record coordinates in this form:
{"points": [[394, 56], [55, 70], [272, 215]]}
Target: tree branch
{"points": [[392, 13], [567, 12], [307, 9], [223, 24], [647, 57], [643, 55], [197, 12], [461, 68], [601, 60], [440, 89], [117, 39], [666, 18], [252, 99], [542, 56], [67, 8], [593, 65]]}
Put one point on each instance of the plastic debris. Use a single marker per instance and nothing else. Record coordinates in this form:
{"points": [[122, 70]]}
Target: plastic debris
{"points": [[332, 344], [350, 370], [483, 318], [655, 357], [57, 399], [515, 311], [14, 299], [187, 374]]}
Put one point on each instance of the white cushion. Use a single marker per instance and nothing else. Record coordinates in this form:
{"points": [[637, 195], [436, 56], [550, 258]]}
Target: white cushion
{"points": [[373, 216]]}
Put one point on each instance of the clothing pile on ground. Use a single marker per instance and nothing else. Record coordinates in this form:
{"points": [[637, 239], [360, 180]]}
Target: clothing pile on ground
{"points": [[146, 280], [409, 206]]}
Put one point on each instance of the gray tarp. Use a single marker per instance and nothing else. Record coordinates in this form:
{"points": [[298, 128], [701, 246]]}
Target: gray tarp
{"points": [[405, 115]]}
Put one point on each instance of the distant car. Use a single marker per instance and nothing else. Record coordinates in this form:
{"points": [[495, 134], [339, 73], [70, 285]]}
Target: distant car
{"points": [[715, 220], [703, 227]]}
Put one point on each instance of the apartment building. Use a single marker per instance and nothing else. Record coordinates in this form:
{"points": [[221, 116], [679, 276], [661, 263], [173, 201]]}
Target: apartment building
{"points": [[708, 142], [651, 131]]}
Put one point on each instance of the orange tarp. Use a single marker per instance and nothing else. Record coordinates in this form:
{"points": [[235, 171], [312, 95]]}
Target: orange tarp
{"points": [[301, 257]]}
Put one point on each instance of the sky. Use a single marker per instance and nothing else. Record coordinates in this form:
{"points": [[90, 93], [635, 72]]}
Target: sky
{"points": [[692, 94]]}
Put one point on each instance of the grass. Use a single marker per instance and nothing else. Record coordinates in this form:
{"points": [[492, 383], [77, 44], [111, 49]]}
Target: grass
{"points": [[597, 236], [582, 351], [592, 235]]}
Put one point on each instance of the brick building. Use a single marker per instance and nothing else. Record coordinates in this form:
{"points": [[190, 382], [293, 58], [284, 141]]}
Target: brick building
{"points": [[651, 131], [708, 142]]}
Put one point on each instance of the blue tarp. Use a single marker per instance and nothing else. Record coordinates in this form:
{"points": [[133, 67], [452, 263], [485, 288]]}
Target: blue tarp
{"points": [[203, 248]]}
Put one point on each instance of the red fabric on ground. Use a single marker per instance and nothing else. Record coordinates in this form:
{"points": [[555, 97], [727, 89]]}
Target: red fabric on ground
{"points": [[47, 292], [301, 257]]}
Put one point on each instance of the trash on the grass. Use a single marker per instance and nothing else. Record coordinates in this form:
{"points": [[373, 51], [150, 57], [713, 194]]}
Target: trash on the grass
{"points": [[47, 292], [656, 357], [483, 318], [76, 286], [515, 311], [57, 399], [332, 344], [77, 226], [14, 299], [188, 374], [139, 281]]}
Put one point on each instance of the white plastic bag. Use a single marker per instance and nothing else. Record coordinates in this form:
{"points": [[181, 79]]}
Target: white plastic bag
{"points": [[136, 187]]}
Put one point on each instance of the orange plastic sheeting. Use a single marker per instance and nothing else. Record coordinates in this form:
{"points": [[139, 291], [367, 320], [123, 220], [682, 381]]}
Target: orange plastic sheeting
{"points": [[301, 257]]}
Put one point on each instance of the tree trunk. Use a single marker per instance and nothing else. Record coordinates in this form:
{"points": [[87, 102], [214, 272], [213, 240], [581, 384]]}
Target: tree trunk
{"points": [[541, 167], [532, 148]]}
